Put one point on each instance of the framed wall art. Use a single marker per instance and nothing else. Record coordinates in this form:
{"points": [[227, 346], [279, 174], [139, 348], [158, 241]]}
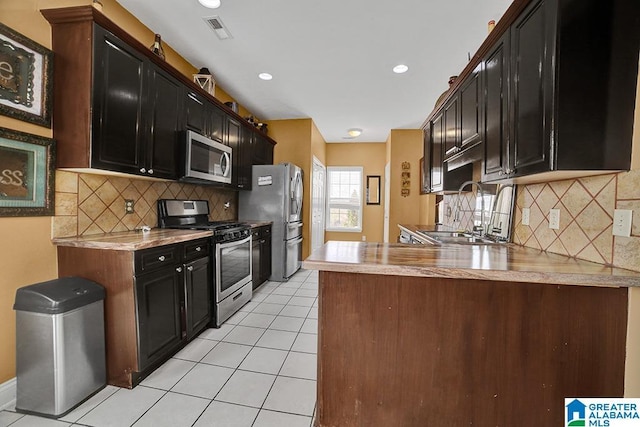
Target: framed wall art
{"points": [[373, 189], [27, 170], [25, 78]]}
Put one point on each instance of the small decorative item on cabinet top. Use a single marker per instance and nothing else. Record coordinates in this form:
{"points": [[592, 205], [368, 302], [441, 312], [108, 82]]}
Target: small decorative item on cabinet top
{"points": [[156, 47], [204, 79], [452, 80], [405, 179]]}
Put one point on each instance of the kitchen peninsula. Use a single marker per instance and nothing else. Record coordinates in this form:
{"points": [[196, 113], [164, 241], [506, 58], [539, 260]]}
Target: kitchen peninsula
{"points": [[464, 334]]}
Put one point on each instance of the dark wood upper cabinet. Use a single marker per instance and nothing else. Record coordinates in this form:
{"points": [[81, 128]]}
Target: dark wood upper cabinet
{"points": [[164, 130], [232, 139], [531, 82], [451, 131], [426, 164], [550, 94], [216, 125], [436, 152], [262, 150], [195, 112], [244, 153], [495, 81], [471, 111], [118, 107], [117, 131], [573, 67]]}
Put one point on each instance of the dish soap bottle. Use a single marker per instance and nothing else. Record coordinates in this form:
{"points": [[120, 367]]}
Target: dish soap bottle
{"points": [[156, 47]]}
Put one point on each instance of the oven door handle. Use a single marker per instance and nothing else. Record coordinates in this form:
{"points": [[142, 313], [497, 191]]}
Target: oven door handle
{"points": [[234, 243]]}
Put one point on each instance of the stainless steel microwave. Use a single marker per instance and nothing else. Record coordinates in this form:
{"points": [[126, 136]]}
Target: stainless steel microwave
{"points": [[206, 160]]}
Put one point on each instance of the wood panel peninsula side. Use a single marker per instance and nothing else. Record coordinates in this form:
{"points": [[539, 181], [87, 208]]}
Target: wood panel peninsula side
{"points": [[452, 335]]}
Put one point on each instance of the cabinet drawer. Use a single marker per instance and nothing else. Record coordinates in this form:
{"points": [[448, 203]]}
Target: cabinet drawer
{"points": [[152, 259], [197, 249]]}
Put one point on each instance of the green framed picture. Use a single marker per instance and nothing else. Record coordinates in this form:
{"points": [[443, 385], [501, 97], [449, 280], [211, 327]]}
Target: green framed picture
{"points": [[27, 170]]}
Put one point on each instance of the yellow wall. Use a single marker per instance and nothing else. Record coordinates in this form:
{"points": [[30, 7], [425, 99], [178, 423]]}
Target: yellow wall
{"points": [[404, 145], [26, 253], [371, 156]]}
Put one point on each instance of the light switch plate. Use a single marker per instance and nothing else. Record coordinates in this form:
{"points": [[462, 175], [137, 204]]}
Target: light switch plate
{"points": [[622, 222], [554, 219], [526, 213]]}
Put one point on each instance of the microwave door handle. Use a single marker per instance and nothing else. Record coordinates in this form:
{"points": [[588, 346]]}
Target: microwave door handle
{"points": [[224, 163]]}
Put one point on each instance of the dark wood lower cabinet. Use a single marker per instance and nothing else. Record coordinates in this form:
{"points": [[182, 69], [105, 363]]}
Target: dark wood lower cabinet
{"points": [[158, 304], [261, 255], [411, 351], [197, 296], [157, 299]]}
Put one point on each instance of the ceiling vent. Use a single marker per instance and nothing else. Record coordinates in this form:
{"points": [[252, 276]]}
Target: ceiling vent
{"points": [[218, 27]]}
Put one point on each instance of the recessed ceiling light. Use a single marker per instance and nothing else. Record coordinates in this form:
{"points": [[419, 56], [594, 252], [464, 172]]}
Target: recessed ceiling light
{"points": [[401, 68], [265, 76], [354, 132], [211, 4]]}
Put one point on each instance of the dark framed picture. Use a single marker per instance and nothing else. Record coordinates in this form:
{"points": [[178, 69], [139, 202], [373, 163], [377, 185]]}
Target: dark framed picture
{"points": [[26, 69], [27, 170]]}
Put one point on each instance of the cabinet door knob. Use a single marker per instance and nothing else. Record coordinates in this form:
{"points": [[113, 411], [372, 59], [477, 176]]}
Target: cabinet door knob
{"points": [[150, 171], [190, 268], [143, 170], [179, 269], [198, 249], [161, 258]]}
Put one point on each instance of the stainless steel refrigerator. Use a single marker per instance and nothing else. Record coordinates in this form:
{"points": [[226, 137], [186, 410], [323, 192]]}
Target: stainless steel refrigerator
{"points": [[276, 196]]}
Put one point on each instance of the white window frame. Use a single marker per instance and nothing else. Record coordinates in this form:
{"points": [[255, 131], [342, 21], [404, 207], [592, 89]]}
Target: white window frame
{"points": [[328, 226]]}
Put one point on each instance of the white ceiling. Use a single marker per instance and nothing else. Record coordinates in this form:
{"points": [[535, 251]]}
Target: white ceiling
{"points": [[331, 60]]}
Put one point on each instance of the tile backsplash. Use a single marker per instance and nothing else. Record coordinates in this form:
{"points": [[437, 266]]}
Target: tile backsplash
{"points": [[93, 204], [586, 218]]}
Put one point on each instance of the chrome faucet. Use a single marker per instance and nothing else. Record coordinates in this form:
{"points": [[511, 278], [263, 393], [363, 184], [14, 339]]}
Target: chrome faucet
{"points": [[456, 216]]}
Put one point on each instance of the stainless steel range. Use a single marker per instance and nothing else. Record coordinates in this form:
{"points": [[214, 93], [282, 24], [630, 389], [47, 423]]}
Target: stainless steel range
{"points": [[231, 254]]}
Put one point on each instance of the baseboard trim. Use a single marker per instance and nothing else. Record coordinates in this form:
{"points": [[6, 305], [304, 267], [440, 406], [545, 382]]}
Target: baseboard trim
{"points": [[8, 394]]}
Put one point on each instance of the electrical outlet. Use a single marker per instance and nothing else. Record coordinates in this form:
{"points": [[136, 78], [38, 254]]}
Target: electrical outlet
{"points": [[129, 206], [526, 214], [364, 238], [554, 219], [622, 222]]}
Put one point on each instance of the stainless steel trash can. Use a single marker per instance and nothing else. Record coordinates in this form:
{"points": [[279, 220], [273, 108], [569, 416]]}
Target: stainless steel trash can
{"points": [[60, 350]]}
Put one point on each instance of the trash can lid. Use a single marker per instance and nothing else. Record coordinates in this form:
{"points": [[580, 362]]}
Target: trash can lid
{"points": [[58, 295]]}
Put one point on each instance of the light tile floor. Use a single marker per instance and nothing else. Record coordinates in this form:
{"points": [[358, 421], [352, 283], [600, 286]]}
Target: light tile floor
{"points": [[257, 370]]}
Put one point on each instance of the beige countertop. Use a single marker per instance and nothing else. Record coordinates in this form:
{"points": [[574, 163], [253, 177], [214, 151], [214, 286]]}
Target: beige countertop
{"points": [[503, 262], [133, 240]]}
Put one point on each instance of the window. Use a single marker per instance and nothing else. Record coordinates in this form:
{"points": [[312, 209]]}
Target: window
{"points": [[344, 199]]}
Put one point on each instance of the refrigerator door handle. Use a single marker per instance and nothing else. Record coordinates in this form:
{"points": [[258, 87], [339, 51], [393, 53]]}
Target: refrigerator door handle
{"points": [[296, 193]]}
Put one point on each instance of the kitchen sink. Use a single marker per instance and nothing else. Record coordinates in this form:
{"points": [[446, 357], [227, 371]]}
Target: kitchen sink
{"points": [[455, 237], [446, 234]]}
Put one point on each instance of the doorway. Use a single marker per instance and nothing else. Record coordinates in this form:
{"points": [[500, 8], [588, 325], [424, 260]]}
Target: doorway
{"points": [[318, 197]]}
